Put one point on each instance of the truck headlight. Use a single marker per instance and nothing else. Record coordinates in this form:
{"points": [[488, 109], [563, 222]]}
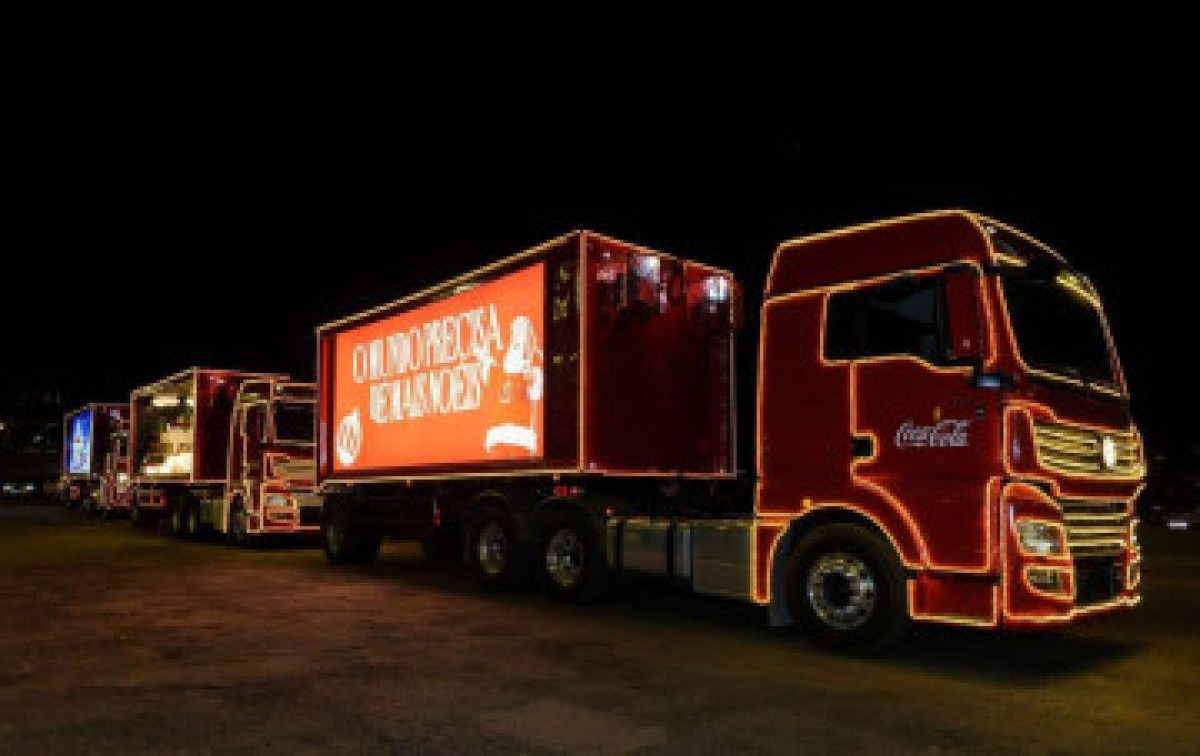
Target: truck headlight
{"points": [[1040, 538], [278, 500]]}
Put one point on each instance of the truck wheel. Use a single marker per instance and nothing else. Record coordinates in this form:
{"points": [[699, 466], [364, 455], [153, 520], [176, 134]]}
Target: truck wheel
{"points": [[237, 526], [494, 551], [345, 540], [572, 568], [846, 589]]}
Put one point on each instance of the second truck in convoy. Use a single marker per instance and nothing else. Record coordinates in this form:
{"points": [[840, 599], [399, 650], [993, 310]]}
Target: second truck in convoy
{"points": [[942, 429], [224, 451]]}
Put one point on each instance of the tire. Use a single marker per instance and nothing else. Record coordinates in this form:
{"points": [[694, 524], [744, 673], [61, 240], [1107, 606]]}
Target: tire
{"points": [[177, 519], [191, 523], [571, 565], [495, 552], [846, 589], [346, 541], [237, 526]]}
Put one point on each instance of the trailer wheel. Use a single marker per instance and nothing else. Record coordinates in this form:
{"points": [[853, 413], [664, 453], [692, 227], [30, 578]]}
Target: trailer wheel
{"points": [[572, 566], [178, 522], [846, 589], [499, 563], [191, 522], [345, 540]]}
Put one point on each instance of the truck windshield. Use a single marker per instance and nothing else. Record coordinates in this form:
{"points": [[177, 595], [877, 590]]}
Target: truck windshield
{"points": [[294, 422], [1058, 326]]}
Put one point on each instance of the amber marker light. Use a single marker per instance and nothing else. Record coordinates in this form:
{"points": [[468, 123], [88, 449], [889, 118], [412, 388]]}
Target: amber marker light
{"points": [[1054, 581]]}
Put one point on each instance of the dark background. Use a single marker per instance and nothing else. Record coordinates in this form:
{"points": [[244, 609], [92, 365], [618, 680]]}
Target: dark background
{"points": [[217, 222]]}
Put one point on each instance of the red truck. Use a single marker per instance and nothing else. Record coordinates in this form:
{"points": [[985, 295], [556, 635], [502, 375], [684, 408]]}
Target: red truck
{"points": [[95, 442], [942, 429], [225, 451]]}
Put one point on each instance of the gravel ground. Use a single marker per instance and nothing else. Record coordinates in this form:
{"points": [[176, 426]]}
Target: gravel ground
{"points": [[114, 640]]}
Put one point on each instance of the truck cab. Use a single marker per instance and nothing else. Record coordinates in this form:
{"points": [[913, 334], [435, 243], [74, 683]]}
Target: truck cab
{"points": [[271, 472], [115, 491], [946, 387]]}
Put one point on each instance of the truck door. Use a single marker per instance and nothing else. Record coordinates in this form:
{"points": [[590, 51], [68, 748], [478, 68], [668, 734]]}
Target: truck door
{"points": [[237, 450], [252, 445], [921, 434]]}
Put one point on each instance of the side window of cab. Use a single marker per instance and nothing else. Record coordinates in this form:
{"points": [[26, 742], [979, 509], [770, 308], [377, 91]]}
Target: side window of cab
{"points": [[894, 318]]}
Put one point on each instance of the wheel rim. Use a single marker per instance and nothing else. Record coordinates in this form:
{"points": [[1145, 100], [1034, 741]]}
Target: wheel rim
{"points": [[841, 590], [492, 548], [564, 558]]}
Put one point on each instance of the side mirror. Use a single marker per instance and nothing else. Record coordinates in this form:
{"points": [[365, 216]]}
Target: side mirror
{"points": [[964, 316]]}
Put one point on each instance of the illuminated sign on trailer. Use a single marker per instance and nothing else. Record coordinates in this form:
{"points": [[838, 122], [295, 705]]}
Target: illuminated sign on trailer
{"points": [[457, 380], [79, 440]]}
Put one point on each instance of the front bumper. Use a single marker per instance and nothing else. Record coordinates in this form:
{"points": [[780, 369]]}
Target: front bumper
{"points": [[1098, 570], [301, 515]]}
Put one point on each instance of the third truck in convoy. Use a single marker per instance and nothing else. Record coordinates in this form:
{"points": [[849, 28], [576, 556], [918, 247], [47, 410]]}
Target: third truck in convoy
{"points": [[942, 429], [94, 458]]}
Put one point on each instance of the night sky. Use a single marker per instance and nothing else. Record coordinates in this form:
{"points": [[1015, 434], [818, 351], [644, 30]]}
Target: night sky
{"points": [[188, 216]]}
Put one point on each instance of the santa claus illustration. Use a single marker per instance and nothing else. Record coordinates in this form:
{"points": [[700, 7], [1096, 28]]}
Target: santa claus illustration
{"points": [[519, 394], [80, 452]]}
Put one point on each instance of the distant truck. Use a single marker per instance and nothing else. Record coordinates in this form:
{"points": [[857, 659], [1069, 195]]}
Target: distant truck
{"points": [[942, 429], [95, 442], [225, 451]]}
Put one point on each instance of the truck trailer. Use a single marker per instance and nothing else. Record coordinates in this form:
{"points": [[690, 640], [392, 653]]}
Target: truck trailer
{"points": [[226, 452], [942, 429], [95, 442]]}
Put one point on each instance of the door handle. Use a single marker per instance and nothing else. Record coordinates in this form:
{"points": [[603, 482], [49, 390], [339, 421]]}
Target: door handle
{"points": [[862, 447]]}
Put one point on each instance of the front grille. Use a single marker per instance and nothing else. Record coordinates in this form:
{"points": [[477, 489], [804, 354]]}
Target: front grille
{"points": [[1079, 451], [1097, 579], [1095, 528], [310, 515]]}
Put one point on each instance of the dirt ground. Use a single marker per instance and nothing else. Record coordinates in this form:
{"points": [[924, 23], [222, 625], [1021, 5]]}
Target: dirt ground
{"points": [[117, 641]]}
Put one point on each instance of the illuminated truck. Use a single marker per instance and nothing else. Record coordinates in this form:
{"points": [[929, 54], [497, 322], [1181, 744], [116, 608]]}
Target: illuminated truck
{"points": [[226, 452], [95, 440], [942, 429]]}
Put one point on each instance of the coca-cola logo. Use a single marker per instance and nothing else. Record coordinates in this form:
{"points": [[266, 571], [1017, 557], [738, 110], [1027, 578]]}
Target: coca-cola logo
{"points": [[947, 432], [349, 438]]}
